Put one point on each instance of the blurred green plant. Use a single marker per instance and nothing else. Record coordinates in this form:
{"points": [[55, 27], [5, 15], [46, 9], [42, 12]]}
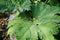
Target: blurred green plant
{"points": [[14, 5], [42, 23], [35, 18]]}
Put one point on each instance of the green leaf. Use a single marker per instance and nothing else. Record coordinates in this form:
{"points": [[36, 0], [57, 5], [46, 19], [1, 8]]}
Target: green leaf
{"points": [[22, 5], [43, 24], [14, 5], [2, 5], [45, 14], [42, 12], [22, 29]]}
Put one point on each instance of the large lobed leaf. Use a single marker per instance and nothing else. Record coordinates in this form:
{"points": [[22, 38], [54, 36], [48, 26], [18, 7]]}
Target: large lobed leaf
{"points": [[43, 24]]}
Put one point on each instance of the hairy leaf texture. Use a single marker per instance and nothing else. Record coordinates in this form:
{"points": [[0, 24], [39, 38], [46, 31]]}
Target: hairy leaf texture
{"points": [[44, 23]]}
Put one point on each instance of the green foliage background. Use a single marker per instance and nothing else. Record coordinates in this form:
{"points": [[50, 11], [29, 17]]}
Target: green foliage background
{"points": [[43, 22]]}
